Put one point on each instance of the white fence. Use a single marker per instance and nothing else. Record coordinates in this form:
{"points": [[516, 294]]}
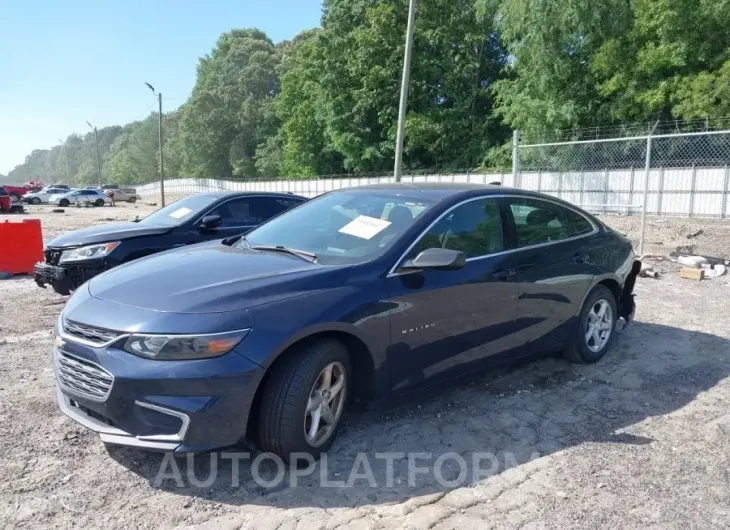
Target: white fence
{"points": [[698, 191], [309, 187]]}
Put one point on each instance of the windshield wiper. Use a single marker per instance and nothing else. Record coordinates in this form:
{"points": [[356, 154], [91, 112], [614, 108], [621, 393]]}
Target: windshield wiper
{"points": [[308, 256]]}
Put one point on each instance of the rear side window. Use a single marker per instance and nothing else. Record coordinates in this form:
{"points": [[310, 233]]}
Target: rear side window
{"points": [[474, 228], [538, 222], [577, 224]]}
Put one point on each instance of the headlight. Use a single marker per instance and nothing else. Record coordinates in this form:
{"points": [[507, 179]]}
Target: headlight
{"points": [[90, 252], [183, 347]]}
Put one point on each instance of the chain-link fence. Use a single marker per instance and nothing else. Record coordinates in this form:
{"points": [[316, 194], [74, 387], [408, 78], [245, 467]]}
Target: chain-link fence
{"points": [[672, 173], [680, 174]]}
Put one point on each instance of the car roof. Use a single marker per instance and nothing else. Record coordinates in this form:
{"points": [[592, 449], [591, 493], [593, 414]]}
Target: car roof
{"points": [[453, 190]]}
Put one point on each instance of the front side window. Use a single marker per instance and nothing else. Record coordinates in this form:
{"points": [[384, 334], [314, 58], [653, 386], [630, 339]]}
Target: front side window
{"points": [[538, 222], [344, 227], [473, 227], [238, 212]]}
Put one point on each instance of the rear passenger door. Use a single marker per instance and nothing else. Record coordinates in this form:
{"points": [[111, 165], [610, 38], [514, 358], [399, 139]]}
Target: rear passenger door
{"points": [[555, 266]]}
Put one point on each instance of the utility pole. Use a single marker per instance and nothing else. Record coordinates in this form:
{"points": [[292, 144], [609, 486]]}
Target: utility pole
{"points": [[68, 173], [403, 108], [98, 158], [162, 163]]}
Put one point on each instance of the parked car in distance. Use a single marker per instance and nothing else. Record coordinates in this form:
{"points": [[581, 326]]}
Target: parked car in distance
{"points": [[17, 192], [358, 294], [95, 197], [103, 187], [5, 201], [73, 258], [43, 196], [124, 195]]}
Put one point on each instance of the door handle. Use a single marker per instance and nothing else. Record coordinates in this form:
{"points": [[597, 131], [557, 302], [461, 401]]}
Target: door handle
{"points": [[503, 274], [579, 257]]}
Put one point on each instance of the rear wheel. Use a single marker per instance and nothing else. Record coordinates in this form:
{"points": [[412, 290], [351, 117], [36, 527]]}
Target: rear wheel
{"points": [[63, 202], [99, 202], [14, 196], [35, 200], [595, 330], [304, 400]]}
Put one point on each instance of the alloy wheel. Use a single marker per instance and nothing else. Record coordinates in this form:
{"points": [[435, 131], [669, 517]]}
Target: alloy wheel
{"points": [[599, 325], [325, 404]]}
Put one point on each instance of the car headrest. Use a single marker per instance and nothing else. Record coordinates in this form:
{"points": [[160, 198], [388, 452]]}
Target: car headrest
{"points": [[400, 215], [540, 217]]}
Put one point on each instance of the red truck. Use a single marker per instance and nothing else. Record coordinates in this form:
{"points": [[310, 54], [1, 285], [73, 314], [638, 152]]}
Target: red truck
{"points": [[16, 192]]}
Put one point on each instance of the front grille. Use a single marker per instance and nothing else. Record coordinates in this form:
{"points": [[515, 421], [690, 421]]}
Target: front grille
{"points": [[83, 378], [89, 333]]}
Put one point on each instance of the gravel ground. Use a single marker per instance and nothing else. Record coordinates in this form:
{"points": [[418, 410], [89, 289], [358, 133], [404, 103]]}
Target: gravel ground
{"points": [[637, 440]]}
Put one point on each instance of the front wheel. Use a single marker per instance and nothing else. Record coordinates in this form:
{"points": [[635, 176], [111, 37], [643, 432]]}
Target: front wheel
{"points": [[14, 196], [35, 200], [99, 202], [132, 200], [595, 330], [64, 202], [304, 400]]}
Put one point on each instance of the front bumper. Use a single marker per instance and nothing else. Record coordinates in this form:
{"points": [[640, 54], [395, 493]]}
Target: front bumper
{"points": [[69, 276], [112, 435], [179, 406]]}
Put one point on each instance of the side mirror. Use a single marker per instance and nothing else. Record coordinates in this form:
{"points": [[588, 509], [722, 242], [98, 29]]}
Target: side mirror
{"points": [[210, 222], [436, 258]]}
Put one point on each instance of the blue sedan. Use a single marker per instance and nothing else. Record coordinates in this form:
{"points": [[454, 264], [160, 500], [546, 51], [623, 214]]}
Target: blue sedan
{"points": [[357, 295]]}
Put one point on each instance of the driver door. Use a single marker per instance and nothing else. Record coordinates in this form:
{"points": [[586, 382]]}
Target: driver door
{"points": [[449, 322]]}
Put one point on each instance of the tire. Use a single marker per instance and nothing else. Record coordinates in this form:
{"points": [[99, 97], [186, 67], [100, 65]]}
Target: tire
{"points": [[35, 200], [63, 203], [132, 200], [283, 415], [587, 350], [14, 196], [99, 202]]}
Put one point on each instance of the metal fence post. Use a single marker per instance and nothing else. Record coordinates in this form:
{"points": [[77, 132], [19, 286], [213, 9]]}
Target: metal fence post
{"points": [[631, 191], [692, 190], [660, 193], [723, 210], [582, 187], [605, 192], [515, 157], [647, 169]]}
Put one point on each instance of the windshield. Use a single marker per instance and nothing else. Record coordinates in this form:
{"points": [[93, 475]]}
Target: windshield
{"points": [[179, 211], [341, 227]]}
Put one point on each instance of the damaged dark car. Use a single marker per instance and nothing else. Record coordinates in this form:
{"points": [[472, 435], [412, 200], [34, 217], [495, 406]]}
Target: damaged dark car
{"points": [[78, 256]]}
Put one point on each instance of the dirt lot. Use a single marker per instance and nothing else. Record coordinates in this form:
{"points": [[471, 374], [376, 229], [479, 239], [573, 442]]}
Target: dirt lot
{"points": [[638, 440]]}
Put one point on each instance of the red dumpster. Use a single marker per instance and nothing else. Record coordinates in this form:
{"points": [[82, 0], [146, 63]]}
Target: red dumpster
{"points": [[4, 204], [21, 245]]}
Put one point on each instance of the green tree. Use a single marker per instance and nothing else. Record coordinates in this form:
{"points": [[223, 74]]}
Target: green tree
{"points": [[229, 112]]}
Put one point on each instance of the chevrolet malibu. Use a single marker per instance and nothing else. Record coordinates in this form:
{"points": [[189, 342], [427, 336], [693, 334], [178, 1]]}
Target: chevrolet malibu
{"points": [[359, 294]]}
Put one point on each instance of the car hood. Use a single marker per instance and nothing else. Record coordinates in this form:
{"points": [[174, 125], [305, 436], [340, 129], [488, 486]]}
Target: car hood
{"points": [[109, 232], [212, 279]]}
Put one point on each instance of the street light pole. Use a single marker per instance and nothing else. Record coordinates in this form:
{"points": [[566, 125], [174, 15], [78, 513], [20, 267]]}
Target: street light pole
{"points": [[65, 150], [162, 162], [98, 158], [402, 109]]}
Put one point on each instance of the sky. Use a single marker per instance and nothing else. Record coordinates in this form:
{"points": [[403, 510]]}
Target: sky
{"points": [[66, 62]]}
